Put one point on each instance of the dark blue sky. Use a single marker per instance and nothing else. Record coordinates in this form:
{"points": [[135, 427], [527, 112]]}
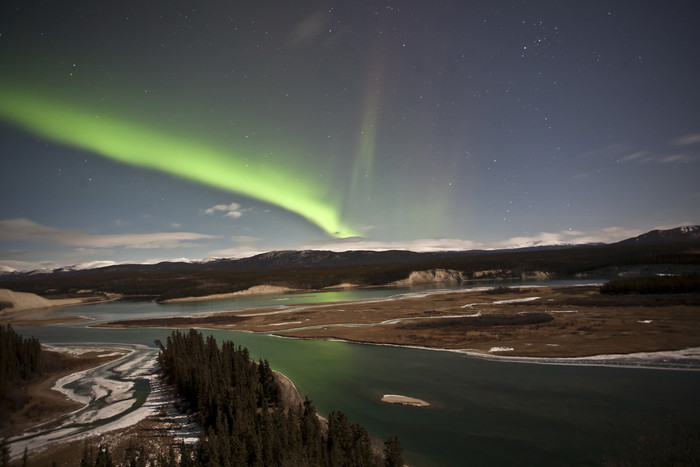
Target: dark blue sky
{"points": [[421, 125]]}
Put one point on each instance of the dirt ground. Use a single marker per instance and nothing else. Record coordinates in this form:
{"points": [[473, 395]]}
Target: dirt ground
{"points": [[583, 321]]}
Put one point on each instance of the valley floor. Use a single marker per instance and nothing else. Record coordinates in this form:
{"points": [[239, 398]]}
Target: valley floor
{"points": [[540, 322]]}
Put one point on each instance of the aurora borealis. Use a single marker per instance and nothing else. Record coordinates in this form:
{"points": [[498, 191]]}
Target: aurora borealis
{"points": [[341, 125], [132, 144]]}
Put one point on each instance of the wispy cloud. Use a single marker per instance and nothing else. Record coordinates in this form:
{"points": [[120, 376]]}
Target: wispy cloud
{"points": [[229, 210], [236, 252], [606, 235], [687, 140], [636, 156], [308, 29], [245, 239], [662, 156], [28, 230], [673, 158]]}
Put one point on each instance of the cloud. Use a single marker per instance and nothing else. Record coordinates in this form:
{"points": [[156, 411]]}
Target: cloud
{"points": [[16, 265], [28, 230], [232, 210], [642, 157], [236, 252], [687, 140], [574, 237], [423, 245], [634, 156], [672, 158], [245, 239], [309, 29]]}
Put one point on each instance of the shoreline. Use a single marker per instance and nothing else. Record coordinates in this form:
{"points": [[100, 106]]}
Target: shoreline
{"points": [[580, 323], [255, 290], [28, 309], [546, 322], [598, 360]]}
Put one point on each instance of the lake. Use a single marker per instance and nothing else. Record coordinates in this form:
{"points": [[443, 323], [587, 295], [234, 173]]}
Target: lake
{"points": [[483, 411]]}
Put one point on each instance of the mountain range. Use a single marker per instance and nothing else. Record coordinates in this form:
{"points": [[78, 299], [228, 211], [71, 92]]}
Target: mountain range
{"points": [[303, 259]]}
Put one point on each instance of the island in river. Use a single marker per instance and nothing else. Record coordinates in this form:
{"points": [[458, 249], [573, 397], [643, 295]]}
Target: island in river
{"points": [[526, 322]]}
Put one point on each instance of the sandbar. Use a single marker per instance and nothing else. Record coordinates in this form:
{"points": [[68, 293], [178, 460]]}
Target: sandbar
{"points": [[28, 309], [255, 290], [404, 400]]}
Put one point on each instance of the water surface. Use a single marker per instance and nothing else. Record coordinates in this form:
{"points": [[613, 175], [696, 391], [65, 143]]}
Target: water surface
{"points": [[483, 412]]}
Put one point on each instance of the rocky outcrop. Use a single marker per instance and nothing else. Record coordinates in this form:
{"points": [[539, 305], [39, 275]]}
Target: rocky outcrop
{"points": [[535, 275], [288, 392], [488, 274], [432, 276]]}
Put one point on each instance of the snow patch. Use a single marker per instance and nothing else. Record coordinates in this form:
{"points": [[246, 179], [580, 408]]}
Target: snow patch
{"points": [[516, 300], [501, 349]]}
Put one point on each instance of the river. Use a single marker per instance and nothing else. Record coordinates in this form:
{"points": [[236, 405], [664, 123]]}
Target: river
{"points": [[483, 411]]}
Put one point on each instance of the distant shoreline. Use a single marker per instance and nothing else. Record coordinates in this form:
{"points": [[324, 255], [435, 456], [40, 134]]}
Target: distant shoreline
{"points": [[255, 290], [28, 309], [530, 323]]}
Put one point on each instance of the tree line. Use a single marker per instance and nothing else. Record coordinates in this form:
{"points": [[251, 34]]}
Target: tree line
{"points": [[243, 419], [653, 285]]}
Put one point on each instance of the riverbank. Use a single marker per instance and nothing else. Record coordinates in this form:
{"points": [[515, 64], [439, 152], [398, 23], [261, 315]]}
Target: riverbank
{"points": [[255, 290], [536, 322], [28, 309], [43, 404]]}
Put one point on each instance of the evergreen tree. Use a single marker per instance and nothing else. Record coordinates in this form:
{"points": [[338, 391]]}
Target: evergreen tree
{"points": [[238, 404], [20, 359], [393, 453]]}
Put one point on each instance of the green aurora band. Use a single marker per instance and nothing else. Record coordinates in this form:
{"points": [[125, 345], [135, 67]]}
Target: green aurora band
{"points": [[140, 146]]}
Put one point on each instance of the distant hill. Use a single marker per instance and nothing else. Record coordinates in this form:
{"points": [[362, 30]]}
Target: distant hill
{"points": [[690, 233], [662, 250]]}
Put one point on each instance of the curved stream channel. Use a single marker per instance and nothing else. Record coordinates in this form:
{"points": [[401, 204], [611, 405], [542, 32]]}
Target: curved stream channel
{"points": [[483, 411], [114, 396]]}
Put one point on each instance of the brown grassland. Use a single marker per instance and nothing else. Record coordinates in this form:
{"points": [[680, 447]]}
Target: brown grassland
{"points": [[560, 322]]}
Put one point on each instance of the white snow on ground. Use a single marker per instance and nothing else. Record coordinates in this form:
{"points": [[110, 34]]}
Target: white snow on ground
{"points": [[107, 392], [78, 350], [561, 311], [645, 321], [284, 324], [500, 349], [515, 300], [469, 305]]}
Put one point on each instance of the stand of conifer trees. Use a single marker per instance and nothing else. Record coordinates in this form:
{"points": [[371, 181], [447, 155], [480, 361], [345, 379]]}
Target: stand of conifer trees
{"points": [[653, 285], [244, 422], [20, 360]]}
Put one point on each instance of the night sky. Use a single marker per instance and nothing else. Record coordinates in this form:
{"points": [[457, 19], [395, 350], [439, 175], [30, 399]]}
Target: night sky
{"points": [[143, 131]]}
